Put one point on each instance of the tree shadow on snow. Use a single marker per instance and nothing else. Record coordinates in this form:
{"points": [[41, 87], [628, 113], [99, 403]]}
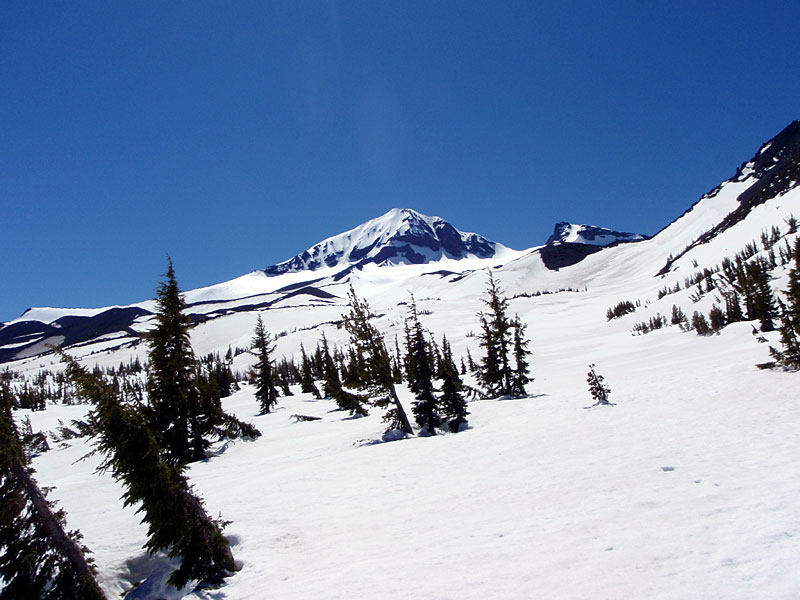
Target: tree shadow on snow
{"points": [[146, 577], [528, 397]]}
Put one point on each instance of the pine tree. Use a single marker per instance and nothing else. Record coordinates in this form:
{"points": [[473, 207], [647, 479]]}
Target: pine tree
{"points": [[183, 417], [452, 403], [789, 355], [716, 318], [333, 385], [376, 376], [763, 300], [262, 347], [306, 375], [494, 372], [177, 522], [38, 558], [397, 361], [470, 363], [597, 388], [172, 394], [425, 407], [699, 324], [520, 375]]}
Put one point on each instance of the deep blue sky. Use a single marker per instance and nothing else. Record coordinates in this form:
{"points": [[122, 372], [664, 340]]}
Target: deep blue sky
{"points": [[233, 135]]}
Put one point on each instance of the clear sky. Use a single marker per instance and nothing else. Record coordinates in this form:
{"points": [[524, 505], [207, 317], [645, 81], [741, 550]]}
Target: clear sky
{"points": [[233, 135]]}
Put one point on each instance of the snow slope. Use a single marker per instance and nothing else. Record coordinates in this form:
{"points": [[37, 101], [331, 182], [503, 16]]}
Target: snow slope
{"points": [[687, 488]]}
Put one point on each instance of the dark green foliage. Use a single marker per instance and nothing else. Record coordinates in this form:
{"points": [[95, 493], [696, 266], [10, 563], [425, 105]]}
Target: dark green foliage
{"points": [[716, 318], [657, 321], [397, 362], [174, 400], [420, 373], [307, 375], [374, 363], [262, 347], [452, 404], [217, 373], [521, 365], [471, 363], [789, 355], [761, 301], [494, 372], [38, 558], [345, 400], [620, 309], [598, 389], [177, 522], [183, 406], [677, 317], [700, 325]]}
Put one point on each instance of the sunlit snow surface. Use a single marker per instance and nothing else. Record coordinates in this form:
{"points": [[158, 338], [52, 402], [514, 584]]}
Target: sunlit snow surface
{"points": [[687, 488]]}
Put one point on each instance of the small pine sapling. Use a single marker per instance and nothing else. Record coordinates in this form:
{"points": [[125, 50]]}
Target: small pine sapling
{"points": [[598, 389]]}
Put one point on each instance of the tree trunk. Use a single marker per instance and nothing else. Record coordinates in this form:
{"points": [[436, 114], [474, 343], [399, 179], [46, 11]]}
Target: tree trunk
{"points": [[405, 425], [55, 532]]}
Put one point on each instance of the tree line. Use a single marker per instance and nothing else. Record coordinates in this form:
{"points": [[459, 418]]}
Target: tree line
{"points": [[149, 433]]}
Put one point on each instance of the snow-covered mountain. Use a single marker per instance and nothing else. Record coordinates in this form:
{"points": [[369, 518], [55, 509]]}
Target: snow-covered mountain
{"points": [[686, 488], [570, 233], [401, 236], [409, 240]]}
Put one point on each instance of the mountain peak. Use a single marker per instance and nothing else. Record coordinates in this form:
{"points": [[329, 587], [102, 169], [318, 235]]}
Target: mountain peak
{"points": [[565, 232], [400, 236]]}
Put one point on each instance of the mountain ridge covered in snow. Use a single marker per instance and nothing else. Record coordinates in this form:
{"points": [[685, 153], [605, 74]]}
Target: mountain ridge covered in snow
{"points": [[685, 488], [401, 236]]}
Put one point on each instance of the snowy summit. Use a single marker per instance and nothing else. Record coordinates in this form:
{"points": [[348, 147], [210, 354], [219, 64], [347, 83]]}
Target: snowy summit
{"points": [[401, 236]]}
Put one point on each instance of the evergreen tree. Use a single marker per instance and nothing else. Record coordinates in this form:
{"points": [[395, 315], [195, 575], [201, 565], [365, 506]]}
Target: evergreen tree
{"points": [[420, 381], [172, 394], [306, 375], [333, 386], [495, 372], [520, 375], [789, 355], [38, 558], [262, 347], [677, 317], [597, 388], [397, 361], [452, 403], [716, 318], [376, 376], [699, 324], [177, 522], [764, 307], [183, 417]]}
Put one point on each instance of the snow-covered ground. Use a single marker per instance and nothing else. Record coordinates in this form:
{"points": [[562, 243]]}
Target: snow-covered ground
{"points": [[687, 488]]}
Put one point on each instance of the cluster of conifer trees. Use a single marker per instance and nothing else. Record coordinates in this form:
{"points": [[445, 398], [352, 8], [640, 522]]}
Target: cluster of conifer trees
{"points": [[146, 444], [366, 373], [147, 439], [744, 291]]}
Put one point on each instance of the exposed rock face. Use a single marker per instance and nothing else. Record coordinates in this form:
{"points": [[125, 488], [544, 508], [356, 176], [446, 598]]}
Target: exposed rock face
{"points": [[774, 170], [565, 232]]}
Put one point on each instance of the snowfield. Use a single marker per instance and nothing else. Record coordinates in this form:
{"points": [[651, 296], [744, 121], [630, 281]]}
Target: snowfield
{"points": [[687, 488]]}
